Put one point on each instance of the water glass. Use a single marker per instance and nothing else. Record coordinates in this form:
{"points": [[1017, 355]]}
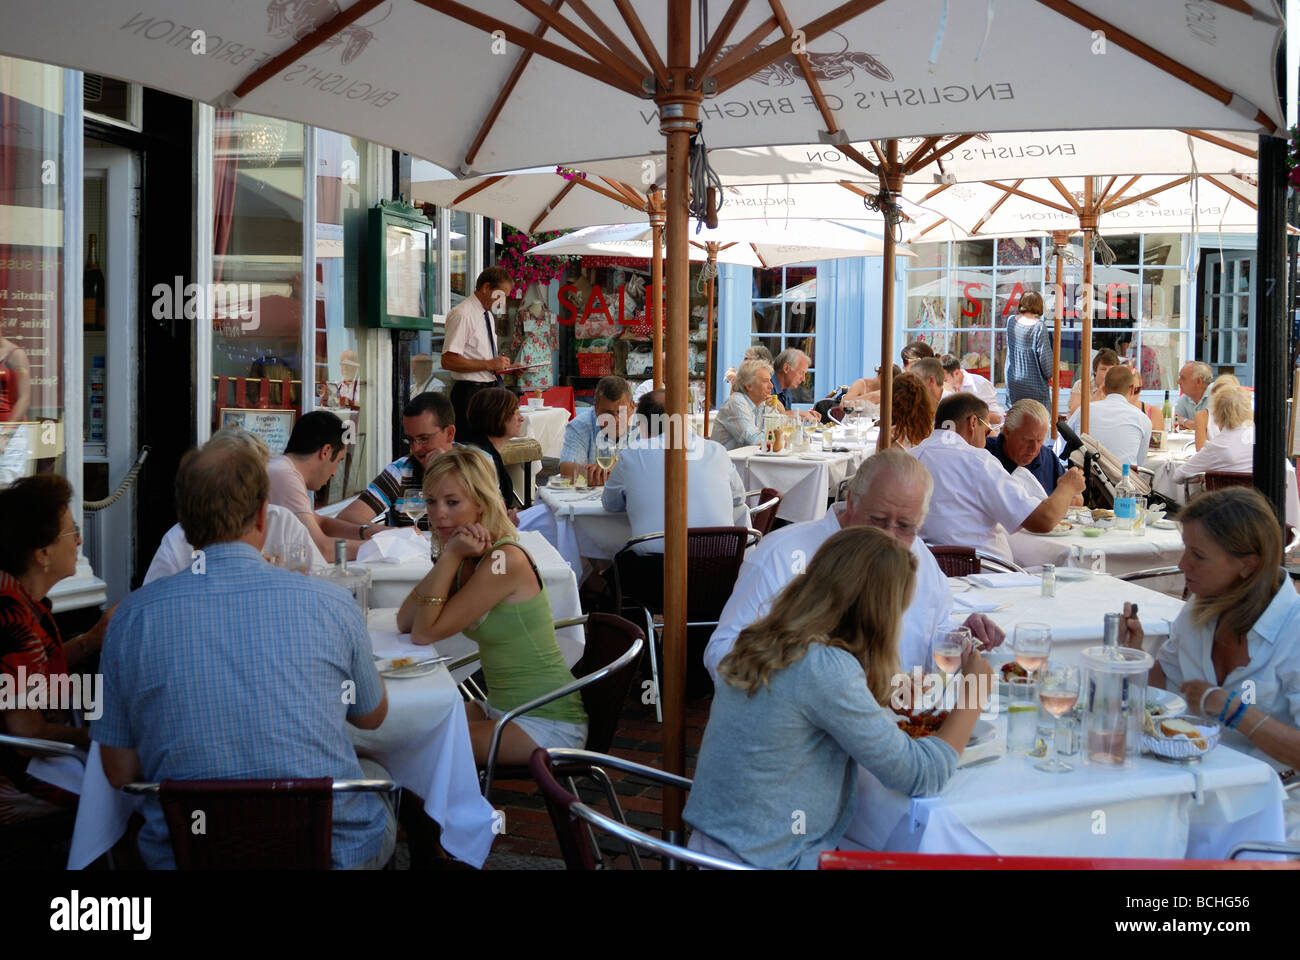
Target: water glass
{"points": [[1068, 734], [1022, 714], [1139, 516], [296, 557]]}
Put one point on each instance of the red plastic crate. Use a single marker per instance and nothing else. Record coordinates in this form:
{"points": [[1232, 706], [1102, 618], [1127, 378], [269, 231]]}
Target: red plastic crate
{"points": [[595, 364]]}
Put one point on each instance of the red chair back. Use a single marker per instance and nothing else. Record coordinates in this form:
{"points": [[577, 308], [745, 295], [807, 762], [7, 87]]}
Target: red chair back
{"points": [[956, 561], [570, 831], [559, 397], [250, 824], [762, 520], [608, 638], [1219, 480]]}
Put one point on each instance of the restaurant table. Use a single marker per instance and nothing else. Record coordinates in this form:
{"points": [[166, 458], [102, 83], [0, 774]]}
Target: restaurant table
{"points": [[1075, 614], [580, 528], [546, 425], [391, 582], [1116, 552], [807, 481], [423, 743], [1151, 810]]}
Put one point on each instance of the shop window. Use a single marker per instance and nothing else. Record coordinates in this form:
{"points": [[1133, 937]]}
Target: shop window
{"points": [[33, 256], [784, 304]]}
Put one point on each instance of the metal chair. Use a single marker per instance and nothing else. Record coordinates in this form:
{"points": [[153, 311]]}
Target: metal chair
{"points": [[870, 860], [605, 675], [836, 415], [1264, 846], [956, 561], [713, 559], [1155, 573], [1216, 480], [40, 836], [573, 819], [987, 559], [764, 515], [253, 824]]}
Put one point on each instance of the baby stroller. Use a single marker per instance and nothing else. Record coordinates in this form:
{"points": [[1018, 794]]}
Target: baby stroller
{"points": [[1102, 471]]}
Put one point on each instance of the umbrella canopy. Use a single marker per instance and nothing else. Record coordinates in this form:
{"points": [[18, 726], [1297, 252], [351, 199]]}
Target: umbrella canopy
{"points": [[751, 243], [429, 77]]}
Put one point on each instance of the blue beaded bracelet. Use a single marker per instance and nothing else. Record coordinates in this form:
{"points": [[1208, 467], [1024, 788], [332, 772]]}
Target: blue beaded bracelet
{"points": [[1227, 705], [1241, 712]]}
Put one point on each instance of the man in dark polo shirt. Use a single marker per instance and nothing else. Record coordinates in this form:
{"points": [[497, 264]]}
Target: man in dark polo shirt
{"points": [[1023, 443]]}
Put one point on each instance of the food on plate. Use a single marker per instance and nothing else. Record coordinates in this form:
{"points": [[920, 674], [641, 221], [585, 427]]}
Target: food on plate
{"points": [[921, 725], [1013, 669], [1064, 527], [1100, 514], [1176, 728], [401, 662]]}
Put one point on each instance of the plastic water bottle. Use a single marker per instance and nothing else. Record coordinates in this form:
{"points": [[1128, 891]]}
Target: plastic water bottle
{"points": [[1125, 497]]}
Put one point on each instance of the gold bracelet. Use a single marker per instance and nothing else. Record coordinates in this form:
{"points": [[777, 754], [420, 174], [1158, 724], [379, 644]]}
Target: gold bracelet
{"points": [[427, 601]]}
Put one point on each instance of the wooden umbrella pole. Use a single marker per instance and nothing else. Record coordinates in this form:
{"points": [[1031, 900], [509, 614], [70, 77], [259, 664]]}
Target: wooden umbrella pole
{"points": [[679, 108], [892, 178], [708, 336], [1059, 239], [1089, 225], [654, 301]]}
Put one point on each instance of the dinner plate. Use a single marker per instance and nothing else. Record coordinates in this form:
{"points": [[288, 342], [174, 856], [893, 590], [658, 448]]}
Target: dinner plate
{"points": [[1170, 704], [386, 668], [984, 732], [774, 453], [1061, 530], [1165, 524]]}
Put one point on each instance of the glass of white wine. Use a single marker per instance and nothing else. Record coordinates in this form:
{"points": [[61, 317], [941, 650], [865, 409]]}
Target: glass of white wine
{"points": [[606, 452], [1058, 690], [415, 509]]}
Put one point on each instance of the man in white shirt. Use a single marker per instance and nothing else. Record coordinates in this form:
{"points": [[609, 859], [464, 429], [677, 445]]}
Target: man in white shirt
{"points": [[1114, 422], [976, 503], [715, 495], [283, 529], [469, 347], [309, 461], [932, 375], [958, 380], [891, 492]]}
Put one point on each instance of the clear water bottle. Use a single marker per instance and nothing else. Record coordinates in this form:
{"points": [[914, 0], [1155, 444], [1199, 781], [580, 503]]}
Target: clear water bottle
{"points": [[1125, 501], [355, 580]]}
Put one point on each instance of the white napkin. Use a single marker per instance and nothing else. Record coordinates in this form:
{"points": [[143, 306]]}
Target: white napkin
{"points": [[1004, 579], [973, 603], [402, 545]]}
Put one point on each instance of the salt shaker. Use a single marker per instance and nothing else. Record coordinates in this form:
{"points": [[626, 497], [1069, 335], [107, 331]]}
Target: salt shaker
{"points": [[1049, 580]]}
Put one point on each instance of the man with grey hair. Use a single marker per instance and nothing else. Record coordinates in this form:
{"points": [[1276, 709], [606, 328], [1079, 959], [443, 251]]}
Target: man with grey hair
{"points": [[611, 413], [788, 371], [1194, 385], [1022, 445], [739, 422], [284, 531], [891, 492]]}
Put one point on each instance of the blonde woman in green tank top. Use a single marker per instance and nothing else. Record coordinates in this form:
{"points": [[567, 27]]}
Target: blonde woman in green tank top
{"points": [[485, 585]]}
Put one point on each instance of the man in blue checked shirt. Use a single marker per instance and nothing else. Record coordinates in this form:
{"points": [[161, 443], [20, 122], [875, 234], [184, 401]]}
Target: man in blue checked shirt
{"points": [[612, 411], [235, 669]]}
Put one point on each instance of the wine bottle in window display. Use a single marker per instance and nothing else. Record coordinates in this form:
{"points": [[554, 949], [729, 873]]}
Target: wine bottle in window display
{"points": [[92, 289]]}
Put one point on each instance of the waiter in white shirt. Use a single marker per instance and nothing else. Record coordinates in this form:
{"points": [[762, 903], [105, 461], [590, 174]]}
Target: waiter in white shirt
{"points": [[976, 504], [1114, 422], [715, 495], [469, 348], [891, 492], [958, 380]]}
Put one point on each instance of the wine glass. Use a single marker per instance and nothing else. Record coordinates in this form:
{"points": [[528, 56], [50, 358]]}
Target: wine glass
{"points": [[949, 648], [296, 557], [1032, 645], [1058, 689], [415, 509], [606, 452]]}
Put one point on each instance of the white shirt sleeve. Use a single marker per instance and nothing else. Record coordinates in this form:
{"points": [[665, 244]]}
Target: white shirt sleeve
{"points": [[173, 555], [456, 333], [1002, 499]]}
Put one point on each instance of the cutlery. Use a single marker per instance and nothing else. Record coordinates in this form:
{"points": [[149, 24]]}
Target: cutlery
{"points": [[983, 760], [418, 663]]}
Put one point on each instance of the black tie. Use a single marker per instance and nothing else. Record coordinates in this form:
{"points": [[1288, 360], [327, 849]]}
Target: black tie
{"points": [[492, 344]]}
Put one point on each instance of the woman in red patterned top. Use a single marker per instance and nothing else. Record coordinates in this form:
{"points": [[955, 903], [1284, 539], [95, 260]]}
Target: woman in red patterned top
{"points": [[38, 549]]}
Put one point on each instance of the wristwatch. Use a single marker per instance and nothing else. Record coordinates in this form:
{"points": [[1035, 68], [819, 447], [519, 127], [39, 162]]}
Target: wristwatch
{"points": [[361, 531]]}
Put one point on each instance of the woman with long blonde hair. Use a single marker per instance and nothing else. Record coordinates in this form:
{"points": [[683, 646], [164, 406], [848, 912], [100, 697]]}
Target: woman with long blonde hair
{"points": [[1243, 622], [801, 699], [485, 585]]}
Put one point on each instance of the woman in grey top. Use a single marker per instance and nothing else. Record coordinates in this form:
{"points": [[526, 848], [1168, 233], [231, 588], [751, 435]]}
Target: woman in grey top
{"points": [[1029, 353], [800, 706]]}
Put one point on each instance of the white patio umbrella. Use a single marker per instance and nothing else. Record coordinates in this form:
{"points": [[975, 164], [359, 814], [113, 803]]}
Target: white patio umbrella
{"points": [[423, 76]]}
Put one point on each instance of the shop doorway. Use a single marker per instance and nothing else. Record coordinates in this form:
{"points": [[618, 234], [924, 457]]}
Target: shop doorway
{"points": [[1224, 328], [110, 217]]}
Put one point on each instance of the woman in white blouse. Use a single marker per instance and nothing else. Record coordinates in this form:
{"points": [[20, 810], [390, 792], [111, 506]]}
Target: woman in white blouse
{"points": [[1234, 651], [1204, 426], [1232, 448]]}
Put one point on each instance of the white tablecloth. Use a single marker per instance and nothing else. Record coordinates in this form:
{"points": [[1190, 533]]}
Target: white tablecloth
{"points": [[1116, 552], [546, 426], [806, 481], [391, 582], [579, 527], [423, 743], [1154, 810], [1075, 614]]}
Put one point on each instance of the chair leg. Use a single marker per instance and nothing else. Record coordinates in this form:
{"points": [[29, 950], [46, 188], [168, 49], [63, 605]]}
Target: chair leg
{"points": [[597, 857], [654, 665], [616, 810]]}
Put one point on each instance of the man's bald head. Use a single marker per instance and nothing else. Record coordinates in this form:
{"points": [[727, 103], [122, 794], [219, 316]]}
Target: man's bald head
{"points": [[891, 491]]}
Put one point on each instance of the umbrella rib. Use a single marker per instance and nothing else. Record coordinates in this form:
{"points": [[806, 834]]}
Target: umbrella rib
{"points": [[1159, 60], [938, 223], [759, 257], [766, 56], [490, 181], [935, 192], [555, 202], [1231, 192], [642, 203], [728, 23], [1101, 199], [543, 48], [748, 42], [925, 145], [853, 188], [605, 192], [503, 95], [1120, 192], [805, 67], [1221, 142], [643, 41], [994, 209], [632, 74], [304, 46], [1124, 202], [943, 148], [609, 37], [1069, 198]]}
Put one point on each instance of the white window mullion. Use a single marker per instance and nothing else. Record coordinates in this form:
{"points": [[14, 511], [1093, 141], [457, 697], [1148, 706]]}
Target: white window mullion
{"points": [[204, 213]]}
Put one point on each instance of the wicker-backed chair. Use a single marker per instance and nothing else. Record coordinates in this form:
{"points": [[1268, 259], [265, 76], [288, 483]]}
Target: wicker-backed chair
{"points": [[40, 842], [253, 824], [763, 515], [956, 561], [1221, 479]]}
